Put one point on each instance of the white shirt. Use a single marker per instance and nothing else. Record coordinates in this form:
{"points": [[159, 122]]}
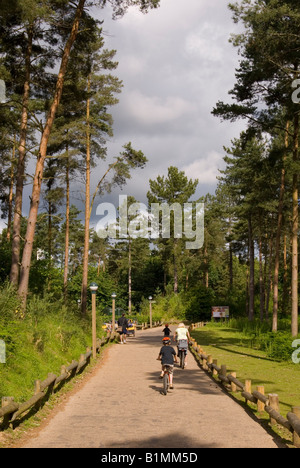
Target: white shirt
{"points": [[182, 333]]}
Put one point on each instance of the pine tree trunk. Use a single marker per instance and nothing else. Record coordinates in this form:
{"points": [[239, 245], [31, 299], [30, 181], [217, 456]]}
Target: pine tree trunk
{"points": [[129, 278], [87, 210], [269, 285], [38, 177], [295, 221], [175, 259], [285, 299], [16, 237], [261, 282], [278, 237], [11, 191], [67, 235], [230, 266], [251, 266]]}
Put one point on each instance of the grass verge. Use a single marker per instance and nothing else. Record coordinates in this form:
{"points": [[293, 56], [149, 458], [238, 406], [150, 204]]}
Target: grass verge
{"points": [[233, 348]]}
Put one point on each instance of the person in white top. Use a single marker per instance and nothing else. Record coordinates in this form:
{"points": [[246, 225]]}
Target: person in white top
{"points": [[182, 337]]}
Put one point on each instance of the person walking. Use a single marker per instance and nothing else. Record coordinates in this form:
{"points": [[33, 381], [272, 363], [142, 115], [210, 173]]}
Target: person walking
{"points": [[123, 325]]}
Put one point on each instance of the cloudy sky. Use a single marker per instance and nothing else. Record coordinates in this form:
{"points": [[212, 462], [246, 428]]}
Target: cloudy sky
{"points": [[176, 62]]}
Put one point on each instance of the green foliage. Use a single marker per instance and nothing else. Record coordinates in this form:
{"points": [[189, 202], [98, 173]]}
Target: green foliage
{"points": [[166, 308], [276, 345], [40, 341], [199, 302], [105, 282]]}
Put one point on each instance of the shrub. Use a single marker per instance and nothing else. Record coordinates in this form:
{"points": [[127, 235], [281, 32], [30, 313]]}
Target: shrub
{"points": [[199, 302], [40, 341], [277, 345]]}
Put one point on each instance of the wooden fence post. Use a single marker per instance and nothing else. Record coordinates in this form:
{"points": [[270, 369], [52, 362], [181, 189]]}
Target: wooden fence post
{"points": [[5, 402], [209, 362], [296, 437], [248, 388], [274, 404], [37, 387], [260, 404], [233, 386]]}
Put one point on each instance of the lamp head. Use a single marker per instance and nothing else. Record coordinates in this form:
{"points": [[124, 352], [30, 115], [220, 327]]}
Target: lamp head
{"points": [[94, 288]]}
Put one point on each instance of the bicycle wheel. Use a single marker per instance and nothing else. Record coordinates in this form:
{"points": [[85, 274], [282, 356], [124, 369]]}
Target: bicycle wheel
{"points": [[166, 383]]}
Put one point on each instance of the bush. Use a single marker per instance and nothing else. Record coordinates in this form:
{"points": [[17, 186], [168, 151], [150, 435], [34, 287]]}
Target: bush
{"points": [[40, 341], [165, 308], [277, 345], [199, 302]]}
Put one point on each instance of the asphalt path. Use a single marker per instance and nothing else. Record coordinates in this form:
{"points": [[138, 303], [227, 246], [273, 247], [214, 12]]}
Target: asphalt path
{"points": [[121, 406]]}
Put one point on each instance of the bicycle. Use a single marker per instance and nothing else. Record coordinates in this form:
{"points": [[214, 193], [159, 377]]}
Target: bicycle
{"points": [[181, 353], [166, 378], [182, 350]]}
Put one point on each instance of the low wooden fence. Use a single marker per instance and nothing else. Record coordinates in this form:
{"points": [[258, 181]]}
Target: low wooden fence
{"points": [[12, 411], [268, 403]]}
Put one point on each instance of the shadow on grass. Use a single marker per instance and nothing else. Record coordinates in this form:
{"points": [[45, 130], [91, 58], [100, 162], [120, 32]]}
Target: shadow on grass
{"points": [[210, 338]]}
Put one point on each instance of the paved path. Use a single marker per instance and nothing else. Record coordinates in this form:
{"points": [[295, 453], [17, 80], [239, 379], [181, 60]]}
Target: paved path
{"points": [[121, 406]]}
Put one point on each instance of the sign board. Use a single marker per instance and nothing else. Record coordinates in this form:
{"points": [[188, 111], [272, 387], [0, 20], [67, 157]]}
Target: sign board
{"points": [[220, 312]]}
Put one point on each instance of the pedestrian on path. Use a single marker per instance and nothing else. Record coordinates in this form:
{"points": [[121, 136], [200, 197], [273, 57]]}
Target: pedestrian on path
{"points": [[123, 325]]}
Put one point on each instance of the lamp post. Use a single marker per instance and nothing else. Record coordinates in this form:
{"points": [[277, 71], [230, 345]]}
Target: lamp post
{"points": [[113, 318], [94, 289], [150, 310]]}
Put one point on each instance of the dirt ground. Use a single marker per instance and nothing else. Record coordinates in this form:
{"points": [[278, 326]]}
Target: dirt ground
{"points": [[121, 406]]}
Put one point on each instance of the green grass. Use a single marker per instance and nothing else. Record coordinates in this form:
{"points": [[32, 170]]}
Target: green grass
{"points": [[38, 342], [233, 348]]}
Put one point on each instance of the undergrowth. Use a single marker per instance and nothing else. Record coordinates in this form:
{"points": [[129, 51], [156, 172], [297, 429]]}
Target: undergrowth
{"points": [[38, 341]]}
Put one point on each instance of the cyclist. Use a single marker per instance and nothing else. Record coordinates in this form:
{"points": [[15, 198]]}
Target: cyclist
{"points": [[167, 356], [182, 337], [166, 330]]}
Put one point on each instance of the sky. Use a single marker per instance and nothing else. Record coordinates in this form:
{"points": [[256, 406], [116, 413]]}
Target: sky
{"points": [[176, 62]]}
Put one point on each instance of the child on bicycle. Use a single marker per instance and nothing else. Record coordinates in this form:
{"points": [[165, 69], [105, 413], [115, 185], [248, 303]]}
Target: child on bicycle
{"points": [[167, 356], [166, 330]]}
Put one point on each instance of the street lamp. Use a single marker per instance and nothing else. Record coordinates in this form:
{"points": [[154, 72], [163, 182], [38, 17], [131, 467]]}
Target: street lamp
{"points": [[113, 319], [94, 289], [150, 309]]}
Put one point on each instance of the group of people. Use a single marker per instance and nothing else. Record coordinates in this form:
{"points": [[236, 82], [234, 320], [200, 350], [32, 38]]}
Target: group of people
{"points": [[123, 325], [167, 354]]}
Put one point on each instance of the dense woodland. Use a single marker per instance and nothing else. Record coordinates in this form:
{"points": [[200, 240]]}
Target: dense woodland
{"points": [[61, 83]]}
